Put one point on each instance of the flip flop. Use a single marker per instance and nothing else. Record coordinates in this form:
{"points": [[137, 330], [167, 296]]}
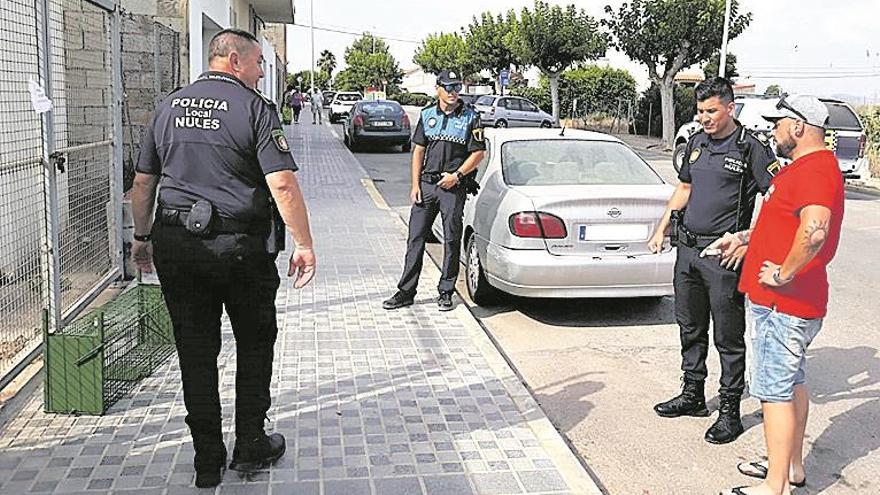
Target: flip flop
{"points": [[758, 469], [737, 490]]}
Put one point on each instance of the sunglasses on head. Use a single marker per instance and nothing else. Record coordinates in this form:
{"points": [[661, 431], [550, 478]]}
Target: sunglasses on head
{"points": [[783, 105], [452, 88]]}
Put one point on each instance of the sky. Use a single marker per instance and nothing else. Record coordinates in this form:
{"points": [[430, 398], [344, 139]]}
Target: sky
{"points": [[806, 46]]}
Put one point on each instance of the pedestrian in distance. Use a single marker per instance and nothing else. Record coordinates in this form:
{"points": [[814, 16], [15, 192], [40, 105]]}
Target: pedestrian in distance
{"points": [[448, 148], [724, 168], [295, 102], [228, 191], [784, 276], [316, 102]]}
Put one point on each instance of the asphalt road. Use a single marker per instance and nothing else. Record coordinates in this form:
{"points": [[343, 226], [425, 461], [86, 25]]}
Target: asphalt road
{"points": [[597, 367]]}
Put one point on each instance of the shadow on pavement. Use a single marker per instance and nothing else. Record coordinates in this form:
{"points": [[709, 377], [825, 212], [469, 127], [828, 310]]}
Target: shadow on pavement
{"points": [[568, 406], [587, 312]]}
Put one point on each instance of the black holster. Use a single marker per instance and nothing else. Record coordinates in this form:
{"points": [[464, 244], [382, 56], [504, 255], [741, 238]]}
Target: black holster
{"points": [[675, 222], [275, 238]]}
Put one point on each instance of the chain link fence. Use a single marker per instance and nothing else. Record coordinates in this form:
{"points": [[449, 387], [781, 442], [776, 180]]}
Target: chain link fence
{"points": [[59, 183]]}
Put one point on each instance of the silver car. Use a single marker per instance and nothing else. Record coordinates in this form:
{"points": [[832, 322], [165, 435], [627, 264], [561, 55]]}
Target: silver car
{"points": [[511, 111], [563, 214]]}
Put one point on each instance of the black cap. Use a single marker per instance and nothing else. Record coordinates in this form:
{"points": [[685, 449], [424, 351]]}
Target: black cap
{"points": [[448, 77]]}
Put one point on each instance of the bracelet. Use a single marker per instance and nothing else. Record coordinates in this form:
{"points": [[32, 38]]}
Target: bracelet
{"points": [[779, 280], [142, 238]]}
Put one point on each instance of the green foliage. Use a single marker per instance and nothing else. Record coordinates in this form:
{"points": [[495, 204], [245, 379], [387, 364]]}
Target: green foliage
{"points": [[539, 96], [444, 51], [552, 38], [327, 62], [668, 35], [685, 109], [322, 80], [870, 116], [710, 68], [486, 42], [773, 90], [597, 89], [369, 64], [416, 99]]}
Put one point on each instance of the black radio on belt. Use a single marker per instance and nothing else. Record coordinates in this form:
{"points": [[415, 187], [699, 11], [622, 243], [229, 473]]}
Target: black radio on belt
{"points": [[675, 220], [198, 221]]}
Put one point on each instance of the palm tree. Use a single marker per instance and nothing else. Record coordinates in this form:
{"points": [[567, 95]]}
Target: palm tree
{"points": [[327, 62]]}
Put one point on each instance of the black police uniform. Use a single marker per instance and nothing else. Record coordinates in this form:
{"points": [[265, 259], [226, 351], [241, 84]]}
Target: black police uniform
{"points": [[449, 139], [725, 176], [216, 140]]}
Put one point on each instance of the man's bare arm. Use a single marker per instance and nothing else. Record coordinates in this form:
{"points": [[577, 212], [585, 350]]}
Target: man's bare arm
{"points": [[677, 201], [288, 196], [143, 200], [811, 236]]}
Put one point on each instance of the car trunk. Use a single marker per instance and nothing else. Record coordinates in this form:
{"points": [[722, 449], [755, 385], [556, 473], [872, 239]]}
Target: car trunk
{"points": [[382, 121], [844, 143], [601, 220]]}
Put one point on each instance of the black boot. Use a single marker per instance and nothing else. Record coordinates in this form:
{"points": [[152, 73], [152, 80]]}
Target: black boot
{"points": [[257, 452], [728, 427], [209, 461], [691, 402]]}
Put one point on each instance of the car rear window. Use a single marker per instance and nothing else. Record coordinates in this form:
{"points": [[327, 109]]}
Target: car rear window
{"points": [[485, 100], [557, 162], [381, 107], [841, 117], [348, 97]]}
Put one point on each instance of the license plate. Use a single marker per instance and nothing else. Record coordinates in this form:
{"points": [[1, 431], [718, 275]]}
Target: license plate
{"points": [[621, 232], [383, 123]]}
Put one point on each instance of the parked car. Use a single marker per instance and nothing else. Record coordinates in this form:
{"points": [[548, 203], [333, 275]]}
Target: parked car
{"points": [[377, 122], [468, 98], [563, 214], [328, 98], [845, 134], [511, 111], [342, 103]]}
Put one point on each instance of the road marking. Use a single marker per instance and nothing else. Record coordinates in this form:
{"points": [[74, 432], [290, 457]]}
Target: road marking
{"points": [[377, 198]]}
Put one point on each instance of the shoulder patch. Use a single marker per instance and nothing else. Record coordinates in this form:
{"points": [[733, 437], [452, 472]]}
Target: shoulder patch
{"points": [[774, 167], [280, 140], [477, 133], [695, 154]]}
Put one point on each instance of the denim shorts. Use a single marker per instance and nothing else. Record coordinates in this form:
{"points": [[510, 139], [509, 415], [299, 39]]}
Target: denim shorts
{"points": [[779, 350]]}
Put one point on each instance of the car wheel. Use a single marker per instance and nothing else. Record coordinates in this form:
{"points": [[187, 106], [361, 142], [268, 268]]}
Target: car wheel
{"points": [[546, 124], [406, 147], [477, 285], [353, 144], [678, 156], [501, 123]]}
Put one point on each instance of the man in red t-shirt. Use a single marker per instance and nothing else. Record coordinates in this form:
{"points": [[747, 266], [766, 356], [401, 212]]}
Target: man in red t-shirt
{"points": [[795, 237]]}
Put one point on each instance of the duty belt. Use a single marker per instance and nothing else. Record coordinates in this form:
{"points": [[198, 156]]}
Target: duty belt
{"points": [[431, 177], [694, 240], [170, 216]]}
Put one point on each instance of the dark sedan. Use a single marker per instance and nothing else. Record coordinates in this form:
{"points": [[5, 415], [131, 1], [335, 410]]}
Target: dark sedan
{"points": [[377, 122]]}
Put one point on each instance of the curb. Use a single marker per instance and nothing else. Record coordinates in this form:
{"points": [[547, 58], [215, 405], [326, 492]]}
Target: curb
{"points": [[872, 191]]}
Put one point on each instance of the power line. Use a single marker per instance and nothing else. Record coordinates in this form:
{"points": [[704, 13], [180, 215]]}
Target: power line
{"points": [[796, 76], [357, 33]]}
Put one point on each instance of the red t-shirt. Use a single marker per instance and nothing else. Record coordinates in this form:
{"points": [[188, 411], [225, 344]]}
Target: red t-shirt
{"points": [[813, 179]]}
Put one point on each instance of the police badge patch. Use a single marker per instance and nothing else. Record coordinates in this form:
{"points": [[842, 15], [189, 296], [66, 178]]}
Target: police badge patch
{"points": [[477, 133], [280, 140], [694, 155], [774, 167], [432, 122]]}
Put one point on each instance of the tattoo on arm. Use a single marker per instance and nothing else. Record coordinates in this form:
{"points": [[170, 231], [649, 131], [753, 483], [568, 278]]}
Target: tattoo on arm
{"points": [[744, 236], [815, 235]]}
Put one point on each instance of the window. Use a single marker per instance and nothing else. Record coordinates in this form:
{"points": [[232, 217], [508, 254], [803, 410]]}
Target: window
{"points": [[514, 104], [573, 162], [503, 103], [485, 100], [528, 106], [841, 117]]}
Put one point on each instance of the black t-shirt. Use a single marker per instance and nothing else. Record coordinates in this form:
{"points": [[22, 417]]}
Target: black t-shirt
{"points": [[448, 138], [716, 168], [216, 139]]}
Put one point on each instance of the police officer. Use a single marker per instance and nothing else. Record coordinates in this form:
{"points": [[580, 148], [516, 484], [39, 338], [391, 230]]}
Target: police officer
{"points": [[448, 147], [218, 151], [724, 168]]}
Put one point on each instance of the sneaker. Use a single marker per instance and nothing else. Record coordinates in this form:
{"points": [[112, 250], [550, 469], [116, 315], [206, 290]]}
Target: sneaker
{"points": [[400, 299], [254, 454], [444, 302]]}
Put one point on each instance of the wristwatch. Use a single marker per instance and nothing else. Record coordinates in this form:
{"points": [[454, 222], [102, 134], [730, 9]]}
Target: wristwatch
{"points": [[779, 280], [142, 238], [458, 174]]}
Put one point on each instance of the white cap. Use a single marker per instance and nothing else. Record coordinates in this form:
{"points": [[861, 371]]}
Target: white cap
{"points": [[805, 108]]}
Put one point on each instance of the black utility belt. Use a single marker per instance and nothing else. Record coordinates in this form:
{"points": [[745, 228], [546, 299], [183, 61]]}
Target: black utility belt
{"points": [[432, 177], [170, 216], [694, 240]]}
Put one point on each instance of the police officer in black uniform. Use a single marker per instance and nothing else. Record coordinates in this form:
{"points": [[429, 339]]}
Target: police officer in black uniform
{"points": [[448, 147], [724, 168], [228, 189]]}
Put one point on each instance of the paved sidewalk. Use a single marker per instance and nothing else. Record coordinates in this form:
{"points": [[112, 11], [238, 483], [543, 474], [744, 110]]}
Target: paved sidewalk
{"points": [[371, 402]]}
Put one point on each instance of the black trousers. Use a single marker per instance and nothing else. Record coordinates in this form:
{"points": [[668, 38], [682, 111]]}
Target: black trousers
{"points": [[450, 205], [704, 287], [200, 277]]}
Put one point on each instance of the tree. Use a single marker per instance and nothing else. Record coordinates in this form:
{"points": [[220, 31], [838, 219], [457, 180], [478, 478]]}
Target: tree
{"points": [[773, 90], [669, 35], [597, 90], [321, 79], [370, 63], [553, 38], [444, 51], [710, 68], [485, 40], [327, 63]]}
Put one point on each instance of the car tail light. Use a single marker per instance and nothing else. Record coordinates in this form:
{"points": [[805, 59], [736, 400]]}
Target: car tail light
{"points": [[537, 224], [358, 121], [405, 121], [863, 139]]}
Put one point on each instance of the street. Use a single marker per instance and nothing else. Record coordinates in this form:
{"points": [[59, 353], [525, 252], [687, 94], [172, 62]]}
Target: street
{"points": [[598, 366]]}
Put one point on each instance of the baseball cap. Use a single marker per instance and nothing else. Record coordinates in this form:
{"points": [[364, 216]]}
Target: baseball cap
{"points": [[806, 108], [448, 77]]}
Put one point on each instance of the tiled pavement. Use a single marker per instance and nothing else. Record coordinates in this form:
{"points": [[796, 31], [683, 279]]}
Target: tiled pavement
{"points": [[371, 402]]}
